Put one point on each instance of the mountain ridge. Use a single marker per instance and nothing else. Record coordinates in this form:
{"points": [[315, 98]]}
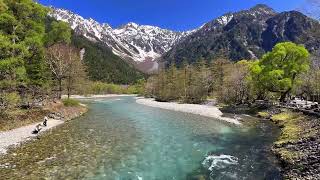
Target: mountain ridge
{"points": [[137, 44], [245, 34]]}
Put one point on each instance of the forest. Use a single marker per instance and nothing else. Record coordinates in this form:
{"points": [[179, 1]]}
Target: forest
{"points": [[287, 71], [103, 65]]}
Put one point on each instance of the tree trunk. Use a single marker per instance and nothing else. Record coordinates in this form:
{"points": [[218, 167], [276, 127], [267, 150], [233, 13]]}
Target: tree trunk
{"points": [[284, 95], [69, 87], [60, 88], [185, 84]]}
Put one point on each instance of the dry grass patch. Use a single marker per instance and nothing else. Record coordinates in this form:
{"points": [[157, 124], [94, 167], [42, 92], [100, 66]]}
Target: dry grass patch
{"points": [[16, 118]]}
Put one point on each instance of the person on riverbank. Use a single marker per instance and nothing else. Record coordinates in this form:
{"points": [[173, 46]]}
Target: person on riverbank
{"points": [[45, 121], [37, 129]]}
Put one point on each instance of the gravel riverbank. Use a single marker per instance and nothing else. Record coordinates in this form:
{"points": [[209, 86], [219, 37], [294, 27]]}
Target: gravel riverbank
{"points": [[97, 96], [203, 110], [19, 135]]}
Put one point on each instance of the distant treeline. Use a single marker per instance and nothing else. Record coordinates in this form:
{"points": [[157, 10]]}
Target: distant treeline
{"points": [[279, 74]]}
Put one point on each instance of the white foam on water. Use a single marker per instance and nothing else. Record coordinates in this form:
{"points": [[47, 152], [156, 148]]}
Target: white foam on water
{"points": [[230, 175], [99, 100], [139, 178], [218, 162], [107, 101]]}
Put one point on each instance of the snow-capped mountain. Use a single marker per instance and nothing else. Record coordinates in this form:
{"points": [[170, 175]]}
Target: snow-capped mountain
{"points": [[139, 43], [246, 34]]}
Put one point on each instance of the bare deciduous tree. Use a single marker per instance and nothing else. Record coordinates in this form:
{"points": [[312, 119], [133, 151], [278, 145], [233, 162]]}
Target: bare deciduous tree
{"points": [[63, 61]]}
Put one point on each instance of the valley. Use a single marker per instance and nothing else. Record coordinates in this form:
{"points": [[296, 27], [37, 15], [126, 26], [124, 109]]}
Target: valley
{"points": [[87, 92]]}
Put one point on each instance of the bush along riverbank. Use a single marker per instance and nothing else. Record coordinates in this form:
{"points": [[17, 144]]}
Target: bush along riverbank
{"points": [[298, 146]]}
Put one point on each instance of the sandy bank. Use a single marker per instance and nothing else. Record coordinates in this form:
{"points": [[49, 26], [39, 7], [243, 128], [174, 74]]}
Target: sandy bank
{"points": [[19, 135], [203, 110]]}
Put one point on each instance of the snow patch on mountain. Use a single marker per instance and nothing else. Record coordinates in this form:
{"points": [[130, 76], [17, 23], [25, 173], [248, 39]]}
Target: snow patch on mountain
{"points": [[224, 20], [131, 41]]}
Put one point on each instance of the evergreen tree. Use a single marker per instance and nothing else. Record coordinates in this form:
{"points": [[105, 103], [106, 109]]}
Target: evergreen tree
{"points": [[58, 32], [22, 31], [217, 66]]}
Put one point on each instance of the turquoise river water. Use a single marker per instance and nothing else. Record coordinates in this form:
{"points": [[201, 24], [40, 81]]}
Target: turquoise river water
{"points": [[122, 140]]}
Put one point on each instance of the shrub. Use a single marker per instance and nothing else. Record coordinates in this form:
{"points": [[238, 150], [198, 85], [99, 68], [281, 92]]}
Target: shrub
{"points": [[98, 88], [105, 88], [8, 101], [71, 102]]}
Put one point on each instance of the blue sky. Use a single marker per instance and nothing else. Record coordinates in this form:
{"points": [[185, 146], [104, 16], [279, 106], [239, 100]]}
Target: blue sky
{"points": [[171, 14]]}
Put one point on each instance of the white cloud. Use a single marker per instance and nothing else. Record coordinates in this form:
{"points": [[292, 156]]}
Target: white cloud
{"points": [[311, 8]]}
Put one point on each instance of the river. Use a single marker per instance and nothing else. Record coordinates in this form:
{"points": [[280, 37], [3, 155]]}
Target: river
{"points": [[122, 140]]}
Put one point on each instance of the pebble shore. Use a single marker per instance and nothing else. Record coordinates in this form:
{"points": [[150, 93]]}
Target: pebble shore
{"points": [[203, 110]]}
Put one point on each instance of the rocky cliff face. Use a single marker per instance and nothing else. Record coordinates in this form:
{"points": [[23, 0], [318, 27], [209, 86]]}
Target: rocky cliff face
{"points": [[291, 26]]}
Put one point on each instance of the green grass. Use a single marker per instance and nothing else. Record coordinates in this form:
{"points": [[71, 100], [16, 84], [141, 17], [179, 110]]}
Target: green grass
{"points": [[288, 155], [291, 131], [289, 122], [71, 102], [263, 114], [294, 126]]}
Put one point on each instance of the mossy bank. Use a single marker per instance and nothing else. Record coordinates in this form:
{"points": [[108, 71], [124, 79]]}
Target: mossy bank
{"points": [[297, 147]]}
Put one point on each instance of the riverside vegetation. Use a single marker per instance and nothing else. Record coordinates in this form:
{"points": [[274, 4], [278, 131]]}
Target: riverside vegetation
{"points": [[297, 147], [274, 77]]}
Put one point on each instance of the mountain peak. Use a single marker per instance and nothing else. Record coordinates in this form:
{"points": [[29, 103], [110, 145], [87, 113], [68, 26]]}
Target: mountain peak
{"points": [[262, 7], [91, 20], [129, 25], [131, 41], [132, 24]]}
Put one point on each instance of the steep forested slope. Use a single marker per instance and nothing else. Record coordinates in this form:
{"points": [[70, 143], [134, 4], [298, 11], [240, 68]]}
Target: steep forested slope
{"points": [[103, 65]]}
